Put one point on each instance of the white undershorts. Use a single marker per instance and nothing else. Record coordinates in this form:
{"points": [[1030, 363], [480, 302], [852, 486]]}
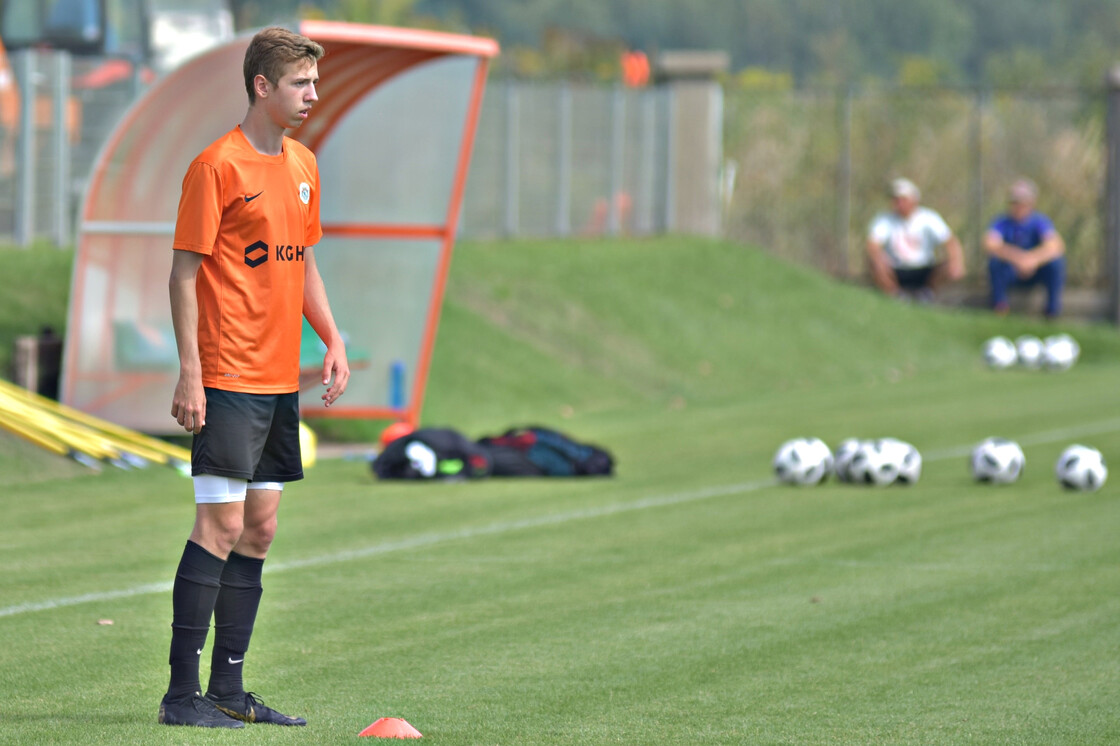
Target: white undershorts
{"points": [[211, 489]]}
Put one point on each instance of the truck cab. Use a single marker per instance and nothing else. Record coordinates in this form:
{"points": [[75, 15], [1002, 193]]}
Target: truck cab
{"points": [[151, 35], [116, 47]]}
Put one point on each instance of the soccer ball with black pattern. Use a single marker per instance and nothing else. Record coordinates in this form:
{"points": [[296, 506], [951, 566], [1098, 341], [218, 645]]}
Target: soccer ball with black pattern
{"points": [[997, 461], [1000, 353], [906, 458], [1081, 468], [803, 461], [1060, 352], [874, 465], [1029, 349], [842, 457]]}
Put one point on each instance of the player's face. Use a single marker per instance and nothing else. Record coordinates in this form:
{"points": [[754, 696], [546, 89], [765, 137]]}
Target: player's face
{"points": [[904, 205], [291, 99], [1020, 209]]}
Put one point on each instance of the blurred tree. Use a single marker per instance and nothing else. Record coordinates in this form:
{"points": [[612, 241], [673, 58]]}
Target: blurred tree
{"points": [[820, 42], [380, 12], [921, 71], [761, 79], [1018, 68], [836, 59]]}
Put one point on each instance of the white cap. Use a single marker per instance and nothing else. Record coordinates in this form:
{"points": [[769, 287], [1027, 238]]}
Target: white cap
{"points": [[905, 188]]}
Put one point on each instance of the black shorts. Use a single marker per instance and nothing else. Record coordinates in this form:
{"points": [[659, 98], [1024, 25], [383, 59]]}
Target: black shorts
{"points": [[914, 278], [254, 437]]}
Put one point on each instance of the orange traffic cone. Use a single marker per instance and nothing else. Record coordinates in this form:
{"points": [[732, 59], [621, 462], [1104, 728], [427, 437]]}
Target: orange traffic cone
{"points": [[391, 728]]}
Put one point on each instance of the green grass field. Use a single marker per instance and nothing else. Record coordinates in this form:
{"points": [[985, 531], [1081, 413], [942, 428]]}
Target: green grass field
{"points": [[686, 600]]}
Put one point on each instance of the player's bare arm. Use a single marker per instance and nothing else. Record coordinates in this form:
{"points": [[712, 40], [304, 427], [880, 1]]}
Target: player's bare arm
{"points": [[188, 405], [954, 254], [317, 310], [881, 273], [1052, 247], [996, 247]]}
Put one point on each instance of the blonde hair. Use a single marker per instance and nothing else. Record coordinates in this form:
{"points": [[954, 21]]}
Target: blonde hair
{"points": [[270, 53]]}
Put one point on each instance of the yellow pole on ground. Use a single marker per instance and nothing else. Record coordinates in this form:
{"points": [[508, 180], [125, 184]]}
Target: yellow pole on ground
{"points": [[130, 441], [75, 436], [48, 442]]}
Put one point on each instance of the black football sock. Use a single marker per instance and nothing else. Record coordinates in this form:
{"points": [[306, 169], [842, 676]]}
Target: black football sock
{"points": [[234, 615], [192, 598]]}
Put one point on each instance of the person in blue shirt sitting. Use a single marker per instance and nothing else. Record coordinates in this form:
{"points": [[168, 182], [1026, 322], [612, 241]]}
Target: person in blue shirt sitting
{"points": [[1024, 249]]}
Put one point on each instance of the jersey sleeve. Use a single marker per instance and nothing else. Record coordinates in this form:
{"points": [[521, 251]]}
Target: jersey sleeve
{"points": [[880, 229], [939, 228], [200, 209], [1044, 225]]}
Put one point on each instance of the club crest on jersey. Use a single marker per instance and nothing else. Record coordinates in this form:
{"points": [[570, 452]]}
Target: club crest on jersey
{"points": [[304, 192]]}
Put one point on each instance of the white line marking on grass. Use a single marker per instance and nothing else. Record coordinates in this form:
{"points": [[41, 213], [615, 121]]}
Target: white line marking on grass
{"points": [[1050, 436], [971, 568], [415, 542], [85, 598], [426, 540]]}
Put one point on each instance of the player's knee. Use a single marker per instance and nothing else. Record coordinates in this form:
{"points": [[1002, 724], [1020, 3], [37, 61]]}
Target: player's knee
{"points": [[228, 531], [259, 535], [218, 533], [216, 525]]}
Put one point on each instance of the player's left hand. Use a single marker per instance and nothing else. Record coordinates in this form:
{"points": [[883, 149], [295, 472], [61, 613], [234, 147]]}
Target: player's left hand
{"points": [[336, 374]]}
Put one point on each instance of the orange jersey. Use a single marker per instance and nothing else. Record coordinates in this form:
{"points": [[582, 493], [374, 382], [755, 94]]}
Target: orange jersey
{"points": [[254, 216]]}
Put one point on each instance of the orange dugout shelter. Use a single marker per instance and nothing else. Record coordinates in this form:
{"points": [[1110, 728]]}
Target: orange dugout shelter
{"points": [[393, 132]]}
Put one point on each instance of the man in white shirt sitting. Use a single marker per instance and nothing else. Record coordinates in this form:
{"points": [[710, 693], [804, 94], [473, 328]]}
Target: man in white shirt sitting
{"points": [[903, 243]]}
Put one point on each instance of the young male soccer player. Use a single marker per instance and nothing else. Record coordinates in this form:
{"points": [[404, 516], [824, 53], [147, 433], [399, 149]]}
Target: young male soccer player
{"points": [[242, 275]]}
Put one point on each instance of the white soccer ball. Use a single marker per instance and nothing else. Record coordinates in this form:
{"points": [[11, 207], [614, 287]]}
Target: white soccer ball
{"points": [[842, 458], [803, 461], [1081, 468], [1029, 349], [873, 464], [905, 456], [1060, 352], [997, 460], [1000, 353]]}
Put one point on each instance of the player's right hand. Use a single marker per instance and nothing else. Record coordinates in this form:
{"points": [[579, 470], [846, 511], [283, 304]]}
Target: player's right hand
{"points": [[188, 406]]}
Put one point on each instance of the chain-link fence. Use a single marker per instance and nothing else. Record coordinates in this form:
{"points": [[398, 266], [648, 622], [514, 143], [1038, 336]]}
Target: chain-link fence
{"points": [[560, 159], [50, 135], [812, 168]]}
